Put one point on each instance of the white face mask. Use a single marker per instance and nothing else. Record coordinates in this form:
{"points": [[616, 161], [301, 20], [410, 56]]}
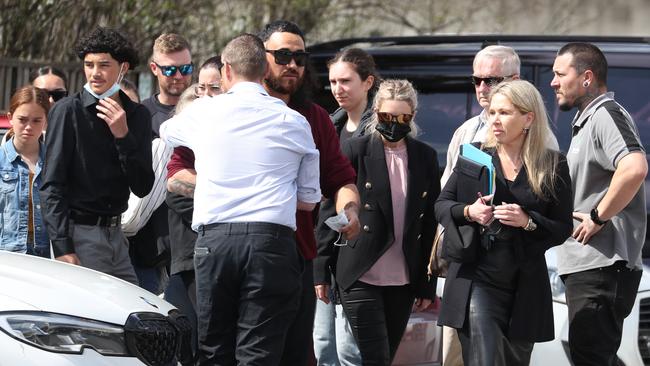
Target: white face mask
{"points": [[111, 91]]}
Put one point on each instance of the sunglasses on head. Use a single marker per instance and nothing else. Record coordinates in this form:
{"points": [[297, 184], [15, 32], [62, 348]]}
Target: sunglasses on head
{"points": [[490, 80], [388, 117], [283, 57], [171, 70]]}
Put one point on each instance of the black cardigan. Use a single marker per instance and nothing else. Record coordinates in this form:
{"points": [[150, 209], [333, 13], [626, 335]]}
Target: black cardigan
{"points": [[531, 318]]}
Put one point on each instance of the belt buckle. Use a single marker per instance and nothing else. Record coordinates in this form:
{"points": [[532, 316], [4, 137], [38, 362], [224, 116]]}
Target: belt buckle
{"points": [[115, 220]]}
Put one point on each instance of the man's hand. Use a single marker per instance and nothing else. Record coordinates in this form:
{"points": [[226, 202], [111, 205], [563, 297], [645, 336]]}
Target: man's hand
{"points": [[69, 258], [586, 229], [421, 304], [321, 293], [114, 116], [352, 229]]}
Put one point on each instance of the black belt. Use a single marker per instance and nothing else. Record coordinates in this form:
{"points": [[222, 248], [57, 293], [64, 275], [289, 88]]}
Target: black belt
{"points": [[235, 228], [96, 220]]}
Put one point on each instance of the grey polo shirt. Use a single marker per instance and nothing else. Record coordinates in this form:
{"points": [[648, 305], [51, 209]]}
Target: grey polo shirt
{"points": [[602, 135]]}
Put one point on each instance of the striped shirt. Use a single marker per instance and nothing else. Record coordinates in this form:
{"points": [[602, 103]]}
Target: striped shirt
{"points": [[140, 209]]}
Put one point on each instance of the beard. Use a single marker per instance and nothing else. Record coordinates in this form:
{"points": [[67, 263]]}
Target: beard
{"points": [[565, 107], [175, 89], [275, 83]]}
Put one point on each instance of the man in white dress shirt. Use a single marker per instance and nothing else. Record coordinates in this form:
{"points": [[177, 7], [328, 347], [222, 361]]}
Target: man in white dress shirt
{"points": [[256, 163]]}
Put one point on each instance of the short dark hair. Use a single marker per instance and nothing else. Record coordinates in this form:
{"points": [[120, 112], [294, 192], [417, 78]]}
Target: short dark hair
{"points": [[363, 63], [213, 62], [587, 56], [246, 55], [46, 70], [107, 40], [280, 26]]}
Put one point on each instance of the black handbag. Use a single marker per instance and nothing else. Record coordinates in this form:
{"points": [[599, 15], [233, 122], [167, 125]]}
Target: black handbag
{"points": [[461, 242]]}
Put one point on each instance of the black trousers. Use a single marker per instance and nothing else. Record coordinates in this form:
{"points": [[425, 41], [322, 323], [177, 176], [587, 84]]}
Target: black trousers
{"points": [[599, 300], [378, 316], [248, 281], [483, 337], [181, 292], [298, 342]]}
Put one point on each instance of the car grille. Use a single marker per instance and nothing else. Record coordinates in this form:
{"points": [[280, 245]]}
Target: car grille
{"points": [[152, 338], [644, 330]]}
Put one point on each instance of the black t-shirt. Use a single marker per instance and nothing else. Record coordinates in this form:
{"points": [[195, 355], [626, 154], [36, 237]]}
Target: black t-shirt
{"points": [[159, 113]]}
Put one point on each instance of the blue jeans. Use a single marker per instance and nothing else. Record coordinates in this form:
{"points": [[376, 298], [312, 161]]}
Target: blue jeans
{"points": [[334, 343]]}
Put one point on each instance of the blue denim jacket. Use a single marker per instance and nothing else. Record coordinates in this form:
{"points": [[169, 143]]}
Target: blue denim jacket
{"points": [[14, 208]]}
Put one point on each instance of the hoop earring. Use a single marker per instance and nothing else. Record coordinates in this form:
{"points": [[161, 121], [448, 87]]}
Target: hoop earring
{"points": [[526, 130], [585, 84]]}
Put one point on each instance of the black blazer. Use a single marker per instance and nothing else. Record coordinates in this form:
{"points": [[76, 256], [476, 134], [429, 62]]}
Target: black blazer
{"points": [[531, 318], [376, 212]]}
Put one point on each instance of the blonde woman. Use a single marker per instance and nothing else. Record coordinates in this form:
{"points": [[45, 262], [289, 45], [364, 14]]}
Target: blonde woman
{"points": [[382, 274], [501, 301]]}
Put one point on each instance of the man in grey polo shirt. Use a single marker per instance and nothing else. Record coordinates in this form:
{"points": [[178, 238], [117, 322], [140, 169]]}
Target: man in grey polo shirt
{"points": [[601, 263]]}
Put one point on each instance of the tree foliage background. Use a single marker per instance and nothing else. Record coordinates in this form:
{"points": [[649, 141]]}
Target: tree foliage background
{"points": [[46, 30]]}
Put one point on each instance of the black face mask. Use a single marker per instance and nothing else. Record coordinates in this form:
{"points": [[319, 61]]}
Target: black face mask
{"points": [[393, 131]]}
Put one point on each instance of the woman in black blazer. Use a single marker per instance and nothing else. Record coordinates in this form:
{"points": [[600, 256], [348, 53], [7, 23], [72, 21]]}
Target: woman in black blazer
{"points": [[501, 302], [382, 274]]}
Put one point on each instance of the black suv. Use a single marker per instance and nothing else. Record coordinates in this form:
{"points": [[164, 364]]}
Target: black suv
{"points": [[440, 68]]}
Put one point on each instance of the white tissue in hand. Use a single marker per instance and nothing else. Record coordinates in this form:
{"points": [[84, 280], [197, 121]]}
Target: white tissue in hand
{"points": [[337, 222]]}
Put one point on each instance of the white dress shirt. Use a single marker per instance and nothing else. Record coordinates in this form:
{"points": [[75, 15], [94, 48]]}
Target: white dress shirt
{"points": [[255, 157]]}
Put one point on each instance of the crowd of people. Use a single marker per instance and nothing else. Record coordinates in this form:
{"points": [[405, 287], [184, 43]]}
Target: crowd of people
{"points": [[289, 236]]}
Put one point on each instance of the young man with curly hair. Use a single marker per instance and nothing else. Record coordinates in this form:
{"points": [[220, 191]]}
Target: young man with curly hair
{"points": [[98, 148]]}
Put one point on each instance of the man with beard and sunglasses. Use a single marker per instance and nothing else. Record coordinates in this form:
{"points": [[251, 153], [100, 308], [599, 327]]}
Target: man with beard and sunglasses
{"points": [[171, 63], [289, 78]]}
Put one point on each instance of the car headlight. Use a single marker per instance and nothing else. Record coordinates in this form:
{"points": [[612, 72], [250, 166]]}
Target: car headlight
{"points": [[557, 286], [64, 333]]}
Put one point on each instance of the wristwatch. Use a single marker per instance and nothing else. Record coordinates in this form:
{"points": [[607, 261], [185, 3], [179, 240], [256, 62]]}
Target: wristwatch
{"points": [[531, 224], [595, 218]]}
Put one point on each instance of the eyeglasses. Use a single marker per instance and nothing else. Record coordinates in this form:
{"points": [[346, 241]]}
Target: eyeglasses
{"points": [[283, 57], [207, 89], [400, 118], [171, 70], [57, 94], [490, 80]]}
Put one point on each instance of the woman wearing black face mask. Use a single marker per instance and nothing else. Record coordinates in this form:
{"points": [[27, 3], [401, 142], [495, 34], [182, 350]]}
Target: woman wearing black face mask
{"points": [[382, 274]]}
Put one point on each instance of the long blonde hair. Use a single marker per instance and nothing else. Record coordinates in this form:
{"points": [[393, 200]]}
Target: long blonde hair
{"points": [[540, 162]]}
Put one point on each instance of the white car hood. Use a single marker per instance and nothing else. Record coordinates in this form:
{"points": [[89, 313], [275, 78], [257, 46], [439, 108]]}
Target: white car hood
{"points": [[37, 284]]}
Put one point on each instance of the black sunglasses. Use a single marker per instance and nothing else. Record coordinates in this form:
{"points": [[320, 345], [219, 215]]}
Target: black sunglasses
{"points": [[283, 57], [56, 94], [171, 70], [490, 80]]}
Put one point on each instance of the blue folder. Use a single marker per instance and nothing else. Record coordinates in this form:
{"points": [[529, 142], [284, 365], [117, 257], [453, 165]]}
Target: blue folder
{"points": [[474, 154]]}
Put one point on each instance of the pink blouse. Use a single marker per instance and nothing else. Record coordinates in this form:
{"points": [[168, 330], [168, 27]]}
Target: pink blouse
{"points": [[391, 269]]}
